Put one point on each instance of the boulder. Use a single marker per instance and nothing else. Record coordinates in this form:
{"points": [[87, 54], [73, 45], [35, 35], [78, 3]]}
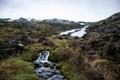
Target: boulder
{"points": [[41, 39], [20, 46], [76, 37], [49, 44], [26, 39]]}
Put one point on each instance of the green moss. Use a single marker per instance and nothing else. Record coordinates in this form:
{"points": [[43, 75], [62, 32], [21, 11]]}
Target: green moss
{"points": [[25, 76], [70, 71], [16, 69], [60, 54], [31, 52]]}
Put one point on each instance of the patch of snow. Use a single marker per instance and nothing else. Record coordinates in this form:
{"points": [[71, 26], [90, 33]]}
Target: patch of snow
{"points": [[80, 33], [20, 44], [82, 23], [67, 32]]}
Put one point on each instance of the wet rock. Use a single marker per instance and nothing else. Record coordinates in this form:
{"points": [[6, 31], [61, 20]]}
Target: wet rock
{"points": [[60, 37], [47, 70], [76, 37], [20, 46], [46, 64], [57, 77], [12, 42]]}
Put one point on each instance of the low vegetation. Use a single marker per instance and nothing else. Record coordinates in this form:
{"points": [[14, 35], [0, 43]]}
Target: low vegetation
{"points": [[95, 56]]}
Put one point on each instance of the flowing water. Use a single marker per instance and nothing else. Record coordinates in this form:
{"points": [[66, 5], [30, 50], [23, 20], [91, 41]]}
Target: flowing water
{"points": [[47, 70]]}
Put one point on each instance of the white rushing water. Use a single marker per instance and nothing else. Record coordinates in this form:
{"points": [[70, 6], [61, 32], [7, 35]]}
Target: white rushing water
{"points": [[43, 57], [47, 70], [80, 32]]}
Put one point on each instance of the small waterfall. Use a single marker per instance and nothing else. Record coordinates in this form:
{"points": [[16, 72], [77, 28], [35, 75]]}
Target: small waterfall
{"points": [[43, 57], [47, 70]]}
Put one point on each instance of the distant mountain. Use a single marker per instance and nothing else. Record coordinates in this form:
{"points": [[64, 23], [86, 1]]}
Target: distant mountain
{"points": [[55, 23], [58, 21], [63, 24], [5, 19]]}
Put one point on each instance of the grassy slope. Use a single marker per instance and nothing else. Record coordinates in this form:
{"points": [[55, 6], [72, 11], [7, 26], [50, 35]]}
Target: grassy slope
{"points": [[17, 64], [94, 57]]}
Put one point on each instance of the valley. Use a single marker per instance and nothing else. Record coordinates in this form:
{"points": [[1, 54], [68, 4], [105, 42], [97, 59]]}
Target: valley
{"points": [[78, 52]]}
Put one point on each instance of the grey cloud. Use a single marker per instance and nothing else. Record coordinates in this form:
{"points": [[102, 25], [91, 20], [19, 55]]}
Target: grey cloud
{"points": [[3, 3]]}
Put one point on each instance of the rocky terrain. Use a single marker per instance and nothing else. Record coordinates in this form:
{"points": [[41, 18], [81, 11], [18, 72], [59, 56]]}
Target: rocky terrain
{"points": [[95, 56], [20, 42]]}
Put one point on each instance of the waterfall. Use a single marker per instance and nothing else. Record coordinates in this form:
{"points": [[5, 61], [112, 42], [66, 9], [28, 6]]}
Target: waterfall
{"points": [[43, 57], [47, 70]]}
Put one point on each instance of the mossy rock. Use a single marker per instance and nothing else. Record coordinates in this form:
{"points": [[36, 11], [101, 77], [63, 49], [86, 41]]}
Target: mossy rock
{"points": [[60, 54], [31, 52], [16, 69], [25, 76], [70, 71]]}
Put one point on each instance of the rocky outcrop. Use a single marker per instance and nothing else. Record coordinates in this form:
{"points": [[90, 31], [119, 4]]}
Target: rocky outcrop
{"points": [[26, 39], [102, 46], [49, 43], [41, 39], [96, 56]]}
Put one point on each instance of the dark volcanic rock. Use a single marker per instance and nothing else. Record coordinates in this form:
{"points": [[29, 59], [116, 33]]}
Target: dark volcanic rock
{"points": [[76, 37], [41, 39], [99, 50], [20, 46], [49, 44], [26, 39]]}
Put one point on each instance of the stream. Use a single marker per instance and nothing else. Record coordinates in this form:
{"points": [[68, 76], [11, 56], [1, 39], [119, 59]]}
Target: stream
{"points": [[45, 69]]}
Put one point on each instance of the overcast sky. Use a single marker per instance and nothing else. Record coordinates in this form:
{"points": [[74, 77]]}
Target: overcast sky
{"points": [[76, 10]]}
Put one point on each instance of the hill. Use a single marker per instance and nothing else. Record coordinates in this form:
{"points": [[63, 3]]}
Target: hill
{"points": [[96, 56]]}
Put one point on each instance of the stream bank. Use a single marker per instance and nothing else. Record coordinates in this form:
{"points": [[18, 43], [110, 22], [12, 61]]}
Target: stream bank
{"points": [[46, 70]]}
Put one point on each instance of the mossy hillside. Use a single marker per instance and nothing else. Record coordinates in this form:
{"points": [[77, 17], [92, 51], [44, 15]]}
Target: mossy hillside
{"points": [[10, 30], [67, 63], [95, 56], [17, 64], [16, 69], [31, 52], [19, 60]]}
